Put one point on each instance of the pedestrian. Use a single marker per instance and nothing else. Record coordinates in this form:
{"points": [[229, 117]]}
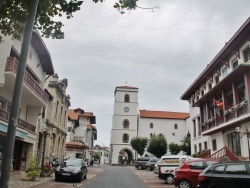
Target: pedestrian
{"points": [[123, 160]]}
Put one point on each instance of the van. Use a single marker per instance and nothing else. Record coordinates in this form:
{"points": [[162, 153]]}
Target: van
{"points": [[167, 165]]}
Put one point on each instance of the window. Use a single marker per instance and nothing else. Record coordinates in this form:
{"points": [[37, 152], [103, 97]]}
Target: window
{"points": [[175, 126], [126, 98], [195, 149], [218, 170], [200, 147], [125, 124], [236, 169], [217, 79], [192, 100], [194, 126], [246, 54], [210, 86], [235, 64], [173, 134], [205, 145], [151, 125], [214, 145], [224, 72], [196, 165], [69, 129], [202, 92], [125, 138]]}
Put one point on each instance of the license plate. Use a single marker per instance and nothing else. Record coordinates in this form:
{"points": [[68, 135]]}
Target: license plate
{"points": [[66, 174]]}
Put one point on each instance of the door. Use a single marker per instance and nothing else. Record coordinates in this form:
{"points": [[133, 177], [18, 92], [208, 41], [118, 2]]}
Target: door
{"points": [[234, 143]]}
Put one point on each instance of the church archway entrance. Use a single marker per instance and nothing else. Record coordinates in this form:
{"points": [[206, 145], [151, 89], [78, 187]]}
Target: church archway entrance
{"points": [[128, 153]]}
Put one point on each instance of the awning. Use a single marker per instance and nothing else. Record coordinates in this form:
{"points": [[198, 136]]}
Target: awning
{"points": [[19, 133]]}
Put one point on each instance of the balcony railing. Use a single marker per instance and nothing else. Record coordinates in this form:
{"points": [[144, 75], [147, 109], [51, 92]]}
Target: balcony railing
{"points": [[21, 123], [12, 65]]}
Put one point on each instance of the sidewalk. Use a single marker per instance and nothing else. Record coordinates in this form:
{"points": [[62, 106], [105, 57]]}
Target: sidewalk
{"points": [[48, 182]]}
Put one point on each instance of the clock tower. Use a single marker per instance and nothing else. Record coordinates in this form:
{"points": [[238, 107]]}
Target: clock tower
{"points": [[124, 124]]}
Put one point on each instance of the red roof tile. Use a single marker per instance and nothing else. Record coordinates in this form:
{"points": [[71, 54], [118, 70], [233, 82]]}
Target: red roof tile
{"points": [[72, 114], [163, 114]]}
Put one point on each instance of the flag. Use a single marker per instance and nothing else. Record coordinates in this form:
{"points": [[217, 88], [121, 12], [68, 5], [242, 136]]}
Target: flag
{"points": [[217, 107]]}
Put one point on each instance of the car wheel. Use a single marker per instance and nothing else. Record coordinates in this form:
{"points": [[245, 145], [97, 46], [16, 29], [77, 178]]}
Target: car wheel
{"points": [[184, 184], [169, 179], [148, 168], [139, 167]]}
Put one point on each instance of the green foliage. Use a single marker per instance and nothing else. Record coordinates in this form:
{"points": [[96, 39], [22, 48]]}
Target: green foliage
{"points": [[96, 156], [157, 145], [139, 144], [13, 15], [33, 169], [186, 146], [174, 148]]}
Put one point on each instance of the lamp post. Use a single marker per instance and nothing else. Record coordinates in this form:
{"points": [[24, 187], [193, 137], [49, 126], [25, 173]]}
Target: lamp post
{"points": [[247, 133]]}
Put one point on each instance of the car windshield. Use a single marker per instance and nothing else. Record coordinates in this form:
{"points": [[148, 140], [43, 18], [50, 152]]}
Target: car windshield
{"points": [[71, 162]]}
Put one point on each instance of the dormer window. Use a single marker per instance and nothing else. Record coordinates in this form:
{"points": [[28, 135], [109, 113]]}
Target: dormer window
{"points": [[126, 98], [202, 92], [224, 72], [217, 79], [210, 86], [246, 54], [235, 64]]}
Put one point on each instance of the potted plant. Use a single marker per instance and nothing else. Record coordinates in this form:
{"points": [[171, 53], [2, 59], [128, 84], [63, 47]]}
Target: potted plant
{"points": [[32, 172]]}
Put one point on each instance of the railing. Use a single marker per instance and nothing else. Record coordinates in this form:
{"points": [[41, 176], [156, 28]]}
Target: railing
{"points": [[224, 152], [12, 65], [21, 123], [206, 154]]}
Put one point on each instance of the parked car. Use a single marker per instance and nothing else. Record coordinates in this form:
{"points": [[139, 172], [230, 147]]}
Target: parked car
{"points": [[168, 164], [71, 168], [226, 175], [187, 174], [151, 163], [140, 163]]}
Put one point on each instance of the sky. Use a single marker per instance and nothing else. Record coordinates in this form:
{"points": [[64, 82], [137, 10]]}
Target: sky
{"points": [[161, 52]]}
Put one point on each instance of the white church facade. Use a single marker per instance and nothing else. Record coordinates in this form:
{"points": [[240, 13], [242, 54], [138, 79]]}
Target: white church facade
{"points": [[129, 122]]}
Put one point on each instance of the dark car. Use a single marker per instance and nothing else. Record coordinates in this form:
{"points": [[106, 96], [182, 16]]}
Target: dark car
{"points": [[226, 175], [71, 168], [187, 174], [140, 163], [151, 163]]}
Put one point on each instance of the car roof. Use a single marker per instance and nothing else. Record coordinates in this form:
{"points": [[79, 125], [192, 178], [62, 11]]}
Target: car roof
{"points": [[204, 159]]}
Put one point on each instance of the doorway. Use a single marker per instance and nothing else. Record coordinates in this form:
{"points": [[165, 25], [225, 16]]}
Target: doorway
{"points": [[233, 139]]}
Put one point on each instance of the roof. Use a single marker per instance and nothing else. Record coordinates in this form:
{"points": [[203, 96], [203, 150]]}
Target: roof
{"points": [[231, 45], [72, 114], [87, 114], [43, 52], [75, 144], [163, 114]]}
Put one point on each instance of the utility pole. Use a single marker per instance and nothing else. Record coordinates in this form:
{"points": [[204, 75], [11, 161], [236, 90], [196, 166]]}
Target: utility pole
{"points": [[13, 118]]}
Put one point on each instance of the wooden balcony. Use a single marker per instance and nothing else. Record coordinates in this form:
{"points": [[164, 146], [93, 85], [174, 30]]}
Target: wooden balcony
{"points": [[12, 65], [4, 116]]}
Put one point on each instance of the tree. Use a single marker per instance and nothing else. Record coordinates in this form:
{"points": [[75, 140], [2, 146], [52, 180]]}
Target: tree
{"points": [[139, 144], [157, 145], [96, 156], [174, 148], [186, 146], [13, 15]]}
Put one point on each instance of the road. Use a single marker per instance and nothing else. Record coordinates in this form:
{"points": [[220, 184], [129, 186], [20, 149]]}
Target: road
{"points": [[116, 177]]}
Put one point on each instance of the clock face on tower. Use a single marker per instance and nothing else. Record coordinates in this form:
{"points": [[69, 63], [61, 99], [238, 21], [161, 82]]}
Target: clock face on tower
{"points": [[126, 109]]}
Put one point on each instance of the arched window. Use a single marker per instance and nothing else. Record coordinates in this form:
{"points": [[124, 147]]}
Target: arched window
{"points": [[151, 125], [126, 98], [125, 124], [125, 138]]}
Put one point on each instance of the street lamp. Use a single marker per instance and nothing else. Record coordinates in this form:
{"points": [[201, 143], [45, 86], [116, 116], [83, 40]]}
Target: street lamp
{"points": [[241, 134]]}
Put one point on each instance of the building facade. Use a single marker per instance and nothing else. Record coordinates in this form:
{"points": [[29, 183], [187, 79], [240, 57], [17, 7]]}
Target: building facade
{"points": [[219, 99], [33, 99], [129, 122], [103, 152], [53, 121], [81, 134]]}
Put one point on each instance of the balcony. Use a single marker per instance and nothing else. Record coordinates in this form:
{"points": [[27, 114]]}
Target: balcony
{"points": [[4, 116], [29, 82]]}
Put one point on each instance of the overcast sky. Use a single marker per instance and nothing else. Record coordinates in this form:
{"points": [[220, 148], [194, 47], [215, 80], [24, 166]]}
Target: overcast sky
{"points": [[160, 52]]}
